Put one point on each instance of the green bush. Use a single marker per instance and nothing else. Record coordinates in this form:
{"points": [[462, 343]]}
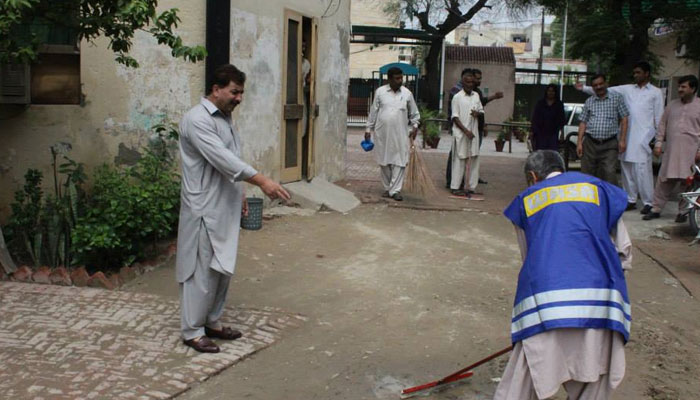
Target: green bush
{"points": [[39, 227], [129, 208]]}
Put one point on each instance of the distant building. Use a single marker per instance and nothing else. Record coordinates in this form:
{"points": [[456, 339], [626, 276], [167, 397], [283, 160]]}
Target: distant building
{"points": [[366, 58], [664, 43], [498, 69], [525, 42]]}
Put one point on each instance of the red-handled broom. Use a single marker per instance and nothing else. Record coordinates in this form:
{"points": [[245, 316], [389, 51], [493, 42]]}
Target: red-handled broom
{"points": [[461, 374]]}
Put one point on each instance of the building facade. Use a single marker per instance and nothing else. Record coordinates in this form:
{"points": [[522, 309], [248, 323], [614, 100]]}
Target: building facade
{"points": [[118, 106], [497, 65]]}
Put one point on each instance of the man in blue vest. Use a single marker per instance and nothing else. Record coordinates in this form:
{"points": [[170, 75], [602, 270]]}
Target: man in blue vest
{"points": [[571, 315]]}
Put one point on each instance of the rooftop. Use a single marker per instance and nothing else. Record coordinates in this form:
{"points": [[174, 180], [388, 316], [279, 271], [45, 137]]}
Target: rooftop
{"points": [[479, 54]]}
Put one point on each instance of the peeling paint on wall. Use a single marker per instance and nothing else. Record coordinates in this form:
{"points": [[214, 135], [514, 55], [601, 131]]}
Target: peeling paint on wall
{"points": [[256, 49], [158, 89]]}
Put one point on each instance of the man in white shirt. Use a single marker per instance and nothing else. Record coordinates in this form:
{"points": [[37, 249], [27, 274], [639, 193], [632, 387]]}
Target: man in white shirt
{"points": [[393, 111], [646, 105], [466, 108]]}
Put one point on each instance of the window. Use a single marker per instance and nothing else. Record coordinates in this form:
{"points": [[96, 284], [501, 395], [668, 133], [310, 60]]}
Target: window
{"points": [[54, 78], [519, 38], [547, 39]]}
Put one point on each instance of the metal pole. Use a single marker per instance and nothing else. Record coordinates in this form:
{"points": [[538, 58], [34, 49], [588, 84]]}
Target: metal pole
{"points": [[563, 53], [539, 61], [442, 74]]}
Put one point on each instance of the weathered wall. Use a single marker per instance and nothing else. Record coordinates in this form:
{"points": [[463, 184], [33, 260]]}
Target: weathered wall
{"points": [[673, 67], [257, 35], [495, 78], [122, 104]]}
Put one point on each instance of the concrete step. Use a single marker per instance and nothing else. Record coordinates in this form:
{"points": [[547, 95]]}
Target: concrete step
{"points": [[319, 192]]}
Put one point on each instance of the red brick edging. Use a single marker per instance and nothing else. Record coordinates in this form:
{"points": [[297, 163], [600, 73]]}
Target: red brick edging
{"points": [[80, 277]]}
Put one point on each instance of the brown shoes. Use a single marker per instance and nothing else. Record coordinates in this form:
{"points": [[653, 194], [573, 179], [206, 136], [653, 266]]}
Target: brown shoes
{"points": [[225, 333], [202, 344]]}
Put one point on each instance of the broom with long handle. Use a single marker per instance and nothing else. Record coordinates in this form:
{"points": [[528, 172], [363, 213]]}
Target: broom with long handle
{"points": [[418, 180], [461, 374]]}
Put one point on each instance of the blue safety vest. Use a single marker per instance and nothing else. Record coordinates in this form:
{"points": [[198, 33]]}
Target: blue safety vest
{"points": [[572, 276]]}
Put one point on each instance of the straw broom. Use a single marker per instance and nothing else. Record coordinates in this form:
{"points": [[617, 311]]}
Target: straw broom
{"points": [[418, 179]]}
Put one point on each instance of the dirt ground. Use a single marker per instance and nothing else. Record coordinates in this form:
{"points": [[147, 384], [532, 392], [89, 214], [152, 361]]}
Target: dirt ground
{"points": [[397, 297]]}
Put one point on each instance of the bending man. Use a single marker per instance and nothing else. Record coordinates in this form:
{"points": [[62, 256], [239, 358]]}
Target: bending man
{"points": [[571, 315]]}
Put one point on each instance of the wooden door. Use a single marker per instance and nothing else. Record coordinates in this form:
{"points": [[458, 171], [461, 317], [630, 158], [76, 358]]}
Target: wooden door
{"points": [[292, 92], [313, 108]]}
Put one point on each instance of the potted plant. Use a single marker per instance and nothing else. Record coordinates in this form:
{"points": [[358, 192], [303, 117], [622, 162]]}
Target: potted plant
{"points": [[431, 134], [430, 129], [500, 140]]}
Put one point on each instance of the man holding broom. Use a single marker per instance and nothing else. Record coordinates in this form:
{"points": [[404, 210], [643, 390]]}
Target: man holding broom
{"points": [[393, 111], [466, 108], [571, 315]]}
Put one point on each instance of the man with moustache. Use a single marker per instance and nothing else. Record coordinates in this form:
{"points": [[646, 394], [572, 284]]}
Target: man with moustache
{"points": [[466, 107], [393, 111], [602, 133], [678, 138], [646, 105], [212, 201]]}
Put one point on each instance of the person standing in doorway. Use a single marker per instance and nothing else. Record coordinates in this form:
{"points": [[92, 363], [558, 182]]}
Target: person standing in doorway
{"points": [[394, 120], [548, 121], [466, 108], [602, 133], [678, 138], [212, 200], [646, 105]]}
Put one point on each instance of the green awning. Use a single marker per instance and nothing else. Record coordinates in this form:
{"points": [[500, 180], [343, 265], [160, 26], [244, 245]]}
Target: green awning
{"points": [[390, 35]]}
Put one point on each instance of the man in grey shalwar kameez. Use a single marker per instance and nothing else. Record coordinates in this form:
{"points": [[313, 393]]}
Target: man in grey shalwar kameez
{"points": [[393, 111], [212, 200]]}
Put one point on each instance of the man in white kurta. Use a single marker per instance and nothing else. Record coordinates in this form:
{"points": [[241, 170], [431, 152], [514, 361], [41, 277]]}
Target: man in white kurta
{"points": [[212, 199], [393, 112], [466, 108], [646, 105]]}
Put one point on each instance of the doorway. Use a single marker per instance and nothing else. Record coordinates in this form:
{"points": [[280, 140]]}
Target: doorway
{"points": [[299, 104]]}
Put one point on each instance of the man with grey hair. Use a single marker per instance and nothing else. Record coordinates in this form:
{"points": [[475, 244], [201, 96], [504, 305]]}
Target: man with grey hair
{"points": [[571, 314]]}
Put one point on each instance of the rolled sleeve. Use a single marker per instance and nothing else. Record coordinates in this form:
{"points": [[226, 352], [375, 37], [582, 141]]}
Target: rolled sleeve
{"points": [[623, 244]]}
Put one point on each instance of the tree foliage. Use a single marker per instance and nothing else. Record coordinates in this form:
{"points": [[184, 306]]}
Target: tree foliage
{"points": [[438, 17], [614, 34], [25, 24]]}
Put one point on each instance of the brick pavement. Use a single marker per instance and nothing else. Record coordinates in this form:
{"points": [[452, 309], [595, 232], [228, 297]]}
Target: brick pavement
{"points": [[83, 343]]}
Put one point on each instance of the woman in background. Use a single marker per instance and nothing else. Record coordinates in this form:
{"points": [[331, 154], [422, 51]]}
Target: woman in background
{"points": [[547, 120]]}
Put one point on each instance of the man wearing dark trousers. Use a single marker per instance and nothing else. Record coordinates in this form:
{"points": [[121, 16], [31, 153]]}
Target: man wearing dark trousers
{"points": [[604, 117]]}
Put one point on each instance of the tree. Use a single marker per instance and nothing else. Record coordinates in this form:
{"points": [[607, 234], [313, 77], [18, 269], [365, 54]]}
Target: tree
{"points": [[23, 22], [612, 35], [438, 17], [557, 29]]}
